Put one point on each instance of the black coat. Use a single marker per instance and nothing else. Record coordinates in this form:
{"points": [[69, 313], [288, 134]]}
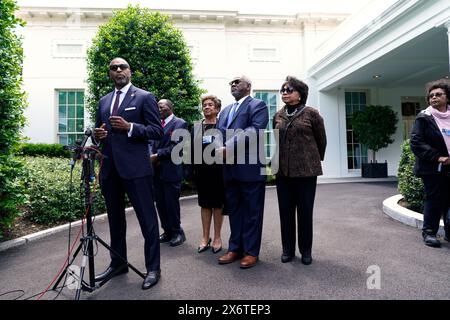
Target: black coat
{"points": [[427, 144]]}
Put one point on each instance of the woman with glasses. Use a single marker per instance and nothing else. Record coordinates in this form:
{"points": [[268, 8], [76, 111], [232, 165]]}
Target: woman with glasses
{"points": [[301, 145], [430, 142]]}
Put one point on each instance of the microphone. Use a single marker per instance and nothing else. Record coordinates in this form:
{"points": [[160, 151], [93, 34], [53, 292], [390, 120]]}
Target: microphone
{"points": [[80, 146]]}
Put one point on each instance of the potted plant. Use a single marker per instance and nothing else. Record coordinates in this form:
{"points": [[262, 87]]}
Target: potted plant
{"points": [[374, 127]]}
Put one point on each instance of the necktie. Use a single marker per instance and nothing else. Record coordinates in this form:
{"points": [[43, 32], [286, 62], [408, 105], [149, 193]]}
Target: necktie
{"points": [[163, 123], [116, 103], [231, 114]]}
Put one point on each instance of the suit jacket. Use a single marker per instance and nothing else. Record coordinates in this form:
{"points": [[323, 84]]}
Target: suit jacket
{"points": [[129, 154], [302, 142], [252, 116], [165, 169], [428, 145]]}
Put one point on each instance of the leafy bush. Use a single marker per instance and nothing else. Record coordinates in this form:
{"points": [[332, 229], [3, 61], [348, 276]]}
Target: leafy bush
{"points": [[374, 127], [409, 185], [12, 105], [158, 56], [50, 198], [43, 149]]}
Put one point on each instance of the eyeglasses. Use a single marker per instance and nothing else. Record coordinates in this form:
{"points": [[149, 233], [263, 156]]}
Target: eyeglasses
{"points": [[235, 82], [287, 90], [437, 95], [122, 66]]}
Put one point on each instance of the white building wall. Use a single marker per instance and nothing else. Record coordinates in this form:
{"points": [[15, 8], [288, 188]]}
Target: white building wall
{"points": [[221, 49], [45, 71]]}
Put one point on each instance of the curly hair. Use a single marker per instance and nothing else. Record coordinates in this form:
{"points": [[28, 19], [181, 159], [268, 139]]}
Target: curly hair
{"points": [[298, 86], [214, 99], [439, 85]]}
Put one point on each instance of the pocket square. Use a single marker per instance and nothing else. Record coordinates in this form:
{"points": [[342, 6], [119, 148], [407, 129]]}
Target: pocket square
{"points": [[132, 108]]}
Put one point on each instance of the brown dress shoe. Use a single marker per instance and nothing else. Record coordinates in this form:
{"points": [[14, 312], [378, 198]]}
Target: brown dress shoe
{"points": [[248, 262], [229, 257]]}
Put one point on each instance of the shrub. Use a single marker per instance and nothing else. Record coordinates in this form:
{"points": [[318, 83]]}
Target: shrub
{"points": [[50, 199], [43, 149], [409, 185], [374, 127], [12, 105], [158, 56]]}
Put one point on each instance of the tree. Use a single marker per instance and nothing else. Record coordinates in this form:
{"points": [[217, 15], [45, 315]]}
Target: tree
{"points": [[12, 105], [157, 53], [374, 127]]}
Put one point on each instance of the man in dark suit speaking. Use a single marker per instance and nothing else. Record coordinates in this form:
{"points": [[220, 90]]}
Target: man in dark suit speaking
{"points": [[244, 178], [127, 118]]}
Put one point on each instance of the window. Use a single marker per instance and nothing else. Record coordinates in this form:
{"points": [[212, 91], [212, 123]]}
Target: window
{"points": [[70, 116], [356, 152], [270, 98]]}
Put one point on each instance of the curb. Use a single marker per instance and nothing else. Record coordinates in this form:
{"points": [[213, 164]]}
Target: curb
{"points": [[41, 234], [405, 216]]}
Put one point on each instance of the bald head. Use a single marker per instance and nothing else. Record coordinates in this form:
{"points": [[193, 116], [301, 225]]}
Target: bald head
{"points": [[119, 72], [240, 87]]}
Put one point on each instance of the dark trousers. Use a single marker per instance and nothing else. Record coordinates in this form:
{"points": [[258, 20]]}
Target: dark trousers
{"points": [[245, 206], [167, 197], [296, 194], [437, 202], [140, 193]]}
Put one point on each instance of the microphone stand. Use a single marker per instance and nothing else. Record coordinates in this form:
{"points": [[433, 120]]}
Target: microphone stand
{"points": [[87, 241]]}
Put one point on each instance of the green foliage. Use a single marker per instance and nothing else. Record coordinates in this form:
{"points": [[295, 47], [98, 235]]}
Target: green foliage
{"points": [[12, 104], [43, 149], [158, 56], [50, 198], [409, 185], [374, 127]]}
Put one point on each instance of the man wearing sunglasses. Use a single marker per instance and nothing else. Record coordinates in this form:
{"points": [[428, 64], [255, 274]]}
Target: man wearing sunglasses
{"points": [[244, 182], [127, 118]]}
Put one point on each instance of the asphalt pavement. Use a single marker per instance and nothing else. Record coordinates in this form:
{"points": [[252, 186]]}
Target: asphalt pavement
{"points": [[358, 251]]}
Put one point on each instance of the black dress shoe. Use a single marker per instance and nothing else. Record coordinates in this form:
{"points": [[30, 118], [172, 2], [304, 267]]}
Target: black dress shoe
{"points": [[431, 241], [204, 248], [111, 272], [164, 238], [151, 279], [286, 258], [306, 259], [177, 240]]}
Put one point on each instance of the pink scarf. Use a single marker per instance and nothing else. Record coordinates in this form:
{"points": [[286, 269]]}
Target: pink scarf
{"points": [[443, 121]]}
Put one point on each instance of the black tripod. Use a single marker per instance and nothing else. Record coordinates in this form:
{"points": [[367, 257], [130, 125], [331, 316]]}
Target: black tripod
{"points": [[87, 241]]}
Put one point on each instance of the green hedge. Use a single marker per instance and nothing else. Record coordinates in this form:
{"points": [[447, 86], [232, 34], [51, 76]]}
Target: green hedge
{"points": [[48, 191], [12, 105], [43, 149], [409, 185]]}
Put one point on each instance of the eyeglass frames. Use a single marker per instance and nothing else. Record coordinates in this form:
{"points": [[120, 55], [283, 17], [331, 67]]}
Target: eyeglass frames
{"points": [[287, 90], [234, 82], [122, 66], [437, 95]]}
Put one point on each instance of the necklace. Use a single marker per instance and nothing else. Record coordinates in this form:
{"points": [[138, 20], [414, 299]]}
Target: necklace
{"points": [[292, 113]]}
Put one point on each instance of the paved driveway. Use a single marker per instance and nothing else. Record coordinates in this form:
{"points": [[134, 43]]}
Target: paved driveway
{"points": [[351, 235]]}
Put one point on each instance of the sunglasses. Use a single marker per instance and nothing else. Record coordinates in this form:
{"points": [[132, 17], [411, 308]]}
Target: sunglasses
{"points": [[122, 66], [235, 82], [287, 90], [437, 95]]}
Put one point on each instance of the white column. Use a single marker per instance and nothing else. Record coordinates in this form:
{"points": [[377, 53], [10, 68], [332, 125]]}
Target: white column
{"points": [[447, 25]]}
